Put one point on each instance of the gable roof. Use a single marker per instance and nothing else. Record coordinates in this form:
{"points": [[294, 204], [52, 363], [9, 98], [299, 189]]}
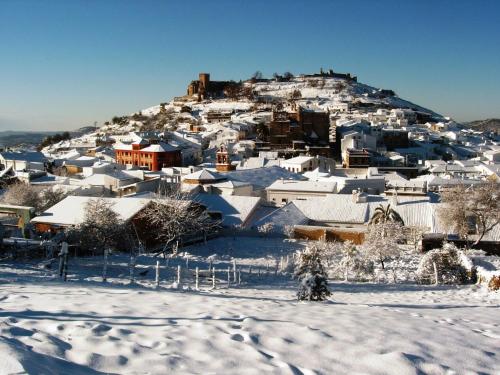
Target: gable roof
{"points": [[71, 210], [235, 210], [287, 215], [340, 208], [160, 147], [204, 175]]}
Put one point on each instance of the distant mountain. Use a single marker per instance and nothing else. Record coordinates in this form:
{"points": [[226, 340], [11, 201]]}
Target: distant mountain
{"points": [[29, 138], [491, 124]]}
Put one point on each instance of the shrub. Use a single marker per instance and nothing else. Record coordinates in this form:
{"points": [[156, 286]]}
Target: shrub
{"points": [[344, 259], [313, 288], [494, 283], [449, 266]]}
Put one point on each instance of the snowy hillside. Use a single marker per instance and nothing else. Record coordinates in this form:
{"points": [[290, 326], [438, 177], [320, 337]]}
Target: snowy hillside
{"points": [[326, 93]]}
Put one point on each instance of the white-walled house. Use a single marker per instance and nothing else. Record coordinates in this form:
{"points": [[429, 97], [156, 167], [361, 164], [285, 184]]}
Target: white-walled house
{"points": [[20, 161], [300, 164], [283, 191]]}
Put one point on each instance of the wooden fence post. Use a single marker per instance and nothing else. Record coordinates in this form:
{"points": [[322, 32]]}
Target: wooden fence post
{"points": [[157, 278], [63, 262], [105, 266], [234, 271], [132, 269], [228, 276], [213, 278], [65, 266], [239, 277], [436, 275], [197, 285], [178, 274]]}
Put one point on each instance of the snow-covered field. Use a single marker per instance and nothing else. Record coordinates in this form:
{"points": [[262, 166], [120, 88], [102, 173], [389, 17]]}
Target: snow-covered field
{"points": [[84, 326]]}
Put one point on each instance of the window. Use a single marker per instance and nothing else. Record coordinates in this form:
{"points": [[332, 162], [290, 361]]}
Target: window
{"points": [[284, 200]]}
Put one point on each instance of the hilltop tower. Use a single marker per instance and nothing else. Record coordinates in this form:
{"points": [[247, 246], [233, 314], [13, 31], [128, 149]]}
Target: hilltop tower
{"points": [[204, 79]]}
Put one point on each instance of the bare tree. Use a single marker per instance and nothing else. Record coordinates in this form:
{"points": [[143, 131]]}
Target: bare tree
{"points": [[21, 194], [257, 75], [382, 241], [101, 228], [173, 216], [51, 196], [467, 210]]}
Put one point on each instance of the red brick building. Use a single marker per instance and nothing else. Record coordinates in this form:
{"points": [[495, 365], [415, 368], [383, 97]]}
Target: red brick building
{"points": [[152, 156]]}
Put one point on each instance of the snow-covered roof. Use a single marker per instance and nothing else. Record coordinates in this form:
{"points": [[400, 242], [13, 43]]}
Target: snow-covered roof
{"points": [[160, 147], [341, 208], [287, 215], [298, 160], [230, 184], [203, 175], [122, 146], [263, 177], [71, 210], [103, 178], [235, 210], [32, 156], [304, 186]]}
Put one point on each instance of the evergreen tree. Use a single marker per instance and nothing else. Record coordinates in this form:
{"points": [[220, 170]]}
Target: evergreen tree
{"points": [[312, 275]]}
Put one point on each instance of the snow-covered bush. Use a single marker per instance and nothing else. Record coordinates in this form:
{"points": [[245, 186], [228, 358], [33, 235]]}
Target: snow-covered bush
{"points": [[448, 263], [266, 228], [382, 241], [288, 231], [313, 288], [344, 259], [312, 275]]}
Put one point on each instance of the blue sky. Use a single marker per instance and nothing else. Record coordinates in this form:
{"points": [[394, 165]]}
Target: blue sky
{"points": [[68, 63]]}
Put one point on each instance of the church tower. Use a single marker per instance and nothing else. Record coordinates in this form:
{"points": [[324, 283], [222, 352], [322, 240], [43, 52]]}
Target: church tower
{"points": [[223, 163]]}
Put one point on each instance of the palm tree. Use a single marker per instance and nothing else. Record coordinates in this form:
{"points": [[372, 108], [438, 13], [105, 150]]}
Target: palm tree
{"points": [[385, 214]]}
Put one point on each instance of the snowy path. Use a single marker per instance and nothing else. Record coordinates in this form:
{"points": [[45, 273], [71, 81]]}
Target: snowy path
{"points": [[50, 327]]}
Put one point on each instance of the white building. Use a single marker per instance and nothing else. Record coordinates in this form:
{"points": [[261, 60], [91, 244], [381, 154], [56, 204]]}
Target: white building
{"points": [[20, 161], [283, 191]]}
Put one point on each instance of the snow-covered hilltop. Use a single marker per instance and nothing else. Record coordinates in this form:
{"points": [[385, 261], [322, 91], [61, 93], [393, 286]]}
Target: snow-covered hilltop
{"points": [[247, 102]]}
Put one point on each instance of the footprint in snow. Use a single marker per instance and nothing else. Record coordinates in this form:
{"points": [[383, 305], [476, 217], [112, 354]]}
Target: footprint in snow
{"points": [[237, 337]]}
